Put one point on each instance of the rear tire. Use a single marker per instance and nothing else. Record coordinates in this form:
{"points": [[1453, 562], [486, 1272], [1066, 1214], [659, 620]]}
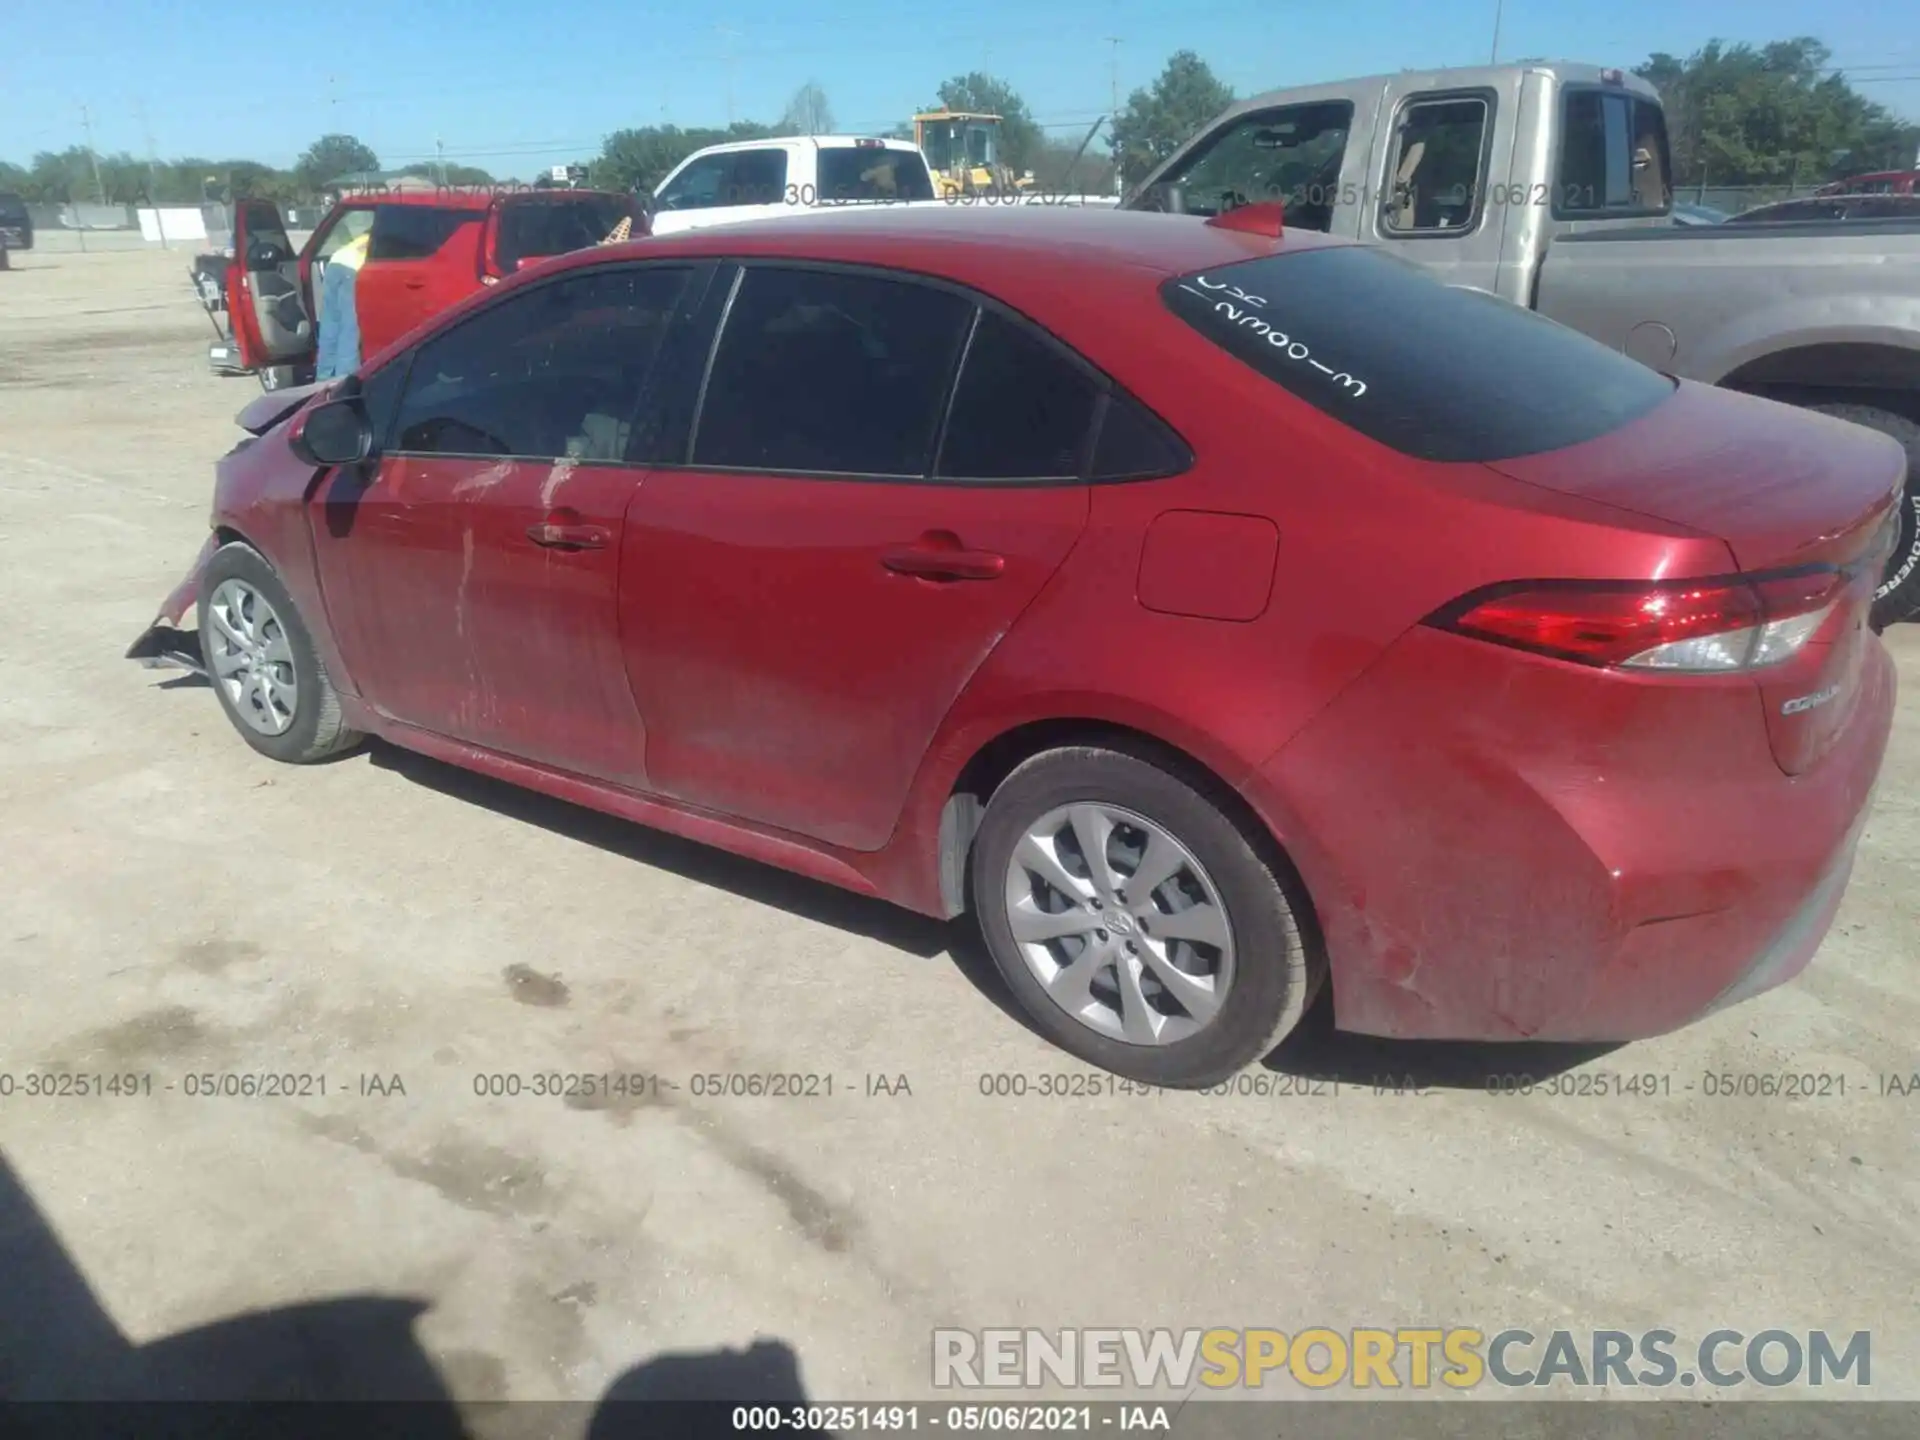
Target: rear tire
{"points": [[262, 664], [1898, 595], [1222, 1006]]}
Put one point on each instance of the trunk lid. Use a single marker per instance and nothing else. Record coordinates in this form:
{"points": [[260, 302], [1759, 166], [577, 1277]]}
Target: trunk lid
{"points": [[1781, 486], [1784, 488]]}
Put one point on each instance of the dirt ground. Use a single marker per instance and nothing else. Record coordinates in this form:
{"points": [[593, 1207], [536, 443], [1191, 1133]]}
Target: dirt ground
{"points": [[174, 906]]}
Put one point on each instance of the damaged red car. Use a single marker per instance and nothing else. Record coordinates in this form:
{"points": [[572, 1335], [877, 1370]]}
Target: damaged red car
{"points": [[1212, 613]]}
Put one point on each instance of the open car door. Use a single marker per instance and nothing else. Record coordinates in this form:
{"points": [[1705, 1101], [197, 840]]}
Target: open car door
{"points": [[265, 307]]}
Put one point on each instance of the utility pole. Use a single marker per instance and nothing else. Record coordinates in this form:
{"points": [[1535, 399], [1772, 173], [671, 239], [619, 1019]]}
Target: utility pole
{"points": [[440, 161], [1113, 78], [727, 36], [86, 124], [153, 173]]}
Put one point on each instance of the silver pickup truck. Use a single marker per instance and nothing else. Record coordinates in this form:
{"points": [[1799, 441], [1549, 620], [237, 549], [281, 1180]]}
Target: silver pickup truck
{"points": [[1547, 185]]}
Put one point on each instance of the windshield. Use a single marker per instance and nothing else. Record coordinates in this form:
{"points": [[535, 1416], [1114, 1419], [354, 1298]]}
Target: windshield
{"points": [[1434, 371]]}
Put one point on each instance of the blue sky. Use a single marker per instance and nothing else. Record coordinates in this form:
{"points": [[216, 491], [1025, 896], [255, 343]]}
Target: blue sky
{"points": [[517, 87]]}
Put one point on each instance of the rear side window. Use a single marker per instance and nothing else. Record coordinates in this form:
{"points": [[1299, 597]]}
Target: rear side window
{"points": [[1430, 370], [1613, 156], [873, 173], [537, 227], [825, 372], [413, 232], [1022, 410]]}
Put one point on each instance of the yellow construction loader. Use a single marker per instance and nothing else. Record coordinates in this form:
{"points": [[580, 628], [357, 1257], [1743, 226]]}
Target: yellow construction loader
{"points": [[963, 151]]}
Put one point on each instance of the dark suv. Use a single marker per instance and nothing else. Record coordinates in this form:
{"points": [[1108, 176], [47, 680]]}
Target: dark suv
{"points": [[16, 225]]}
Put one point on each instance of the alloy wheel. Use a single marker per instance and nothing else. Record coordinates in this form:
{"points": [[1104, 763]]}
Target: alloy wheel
{"points": [[1120, 923], [251, 657]]}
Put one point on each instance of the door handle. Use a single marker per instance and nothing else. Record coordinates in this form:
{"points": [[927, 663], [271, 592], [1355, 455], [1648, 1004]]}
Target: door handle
{"points": [[415, 284], [559, 535], [931, 562]]}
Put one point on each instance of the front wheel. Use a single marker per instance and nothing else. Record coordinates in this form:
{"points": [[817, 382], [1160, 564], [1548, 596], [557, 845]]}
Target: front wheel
{"points": [[1136, 922], [1898, 595], [261, 660]]}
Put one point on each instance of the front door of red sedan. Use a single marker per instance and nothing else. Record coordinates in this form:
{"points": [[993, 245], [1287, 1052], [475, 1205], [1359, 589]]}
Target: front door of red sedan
{"points": [[801, 605], [471, 577]]}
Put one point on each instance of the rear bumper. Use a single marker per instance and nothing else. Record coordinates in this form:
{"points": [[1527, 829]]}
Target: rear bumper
{"points": [[1503, 848]]}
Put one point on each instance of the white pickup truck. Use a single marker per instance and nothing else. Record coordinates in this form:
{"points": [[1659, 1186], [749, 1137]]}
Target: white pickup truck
{"points": [[757, 179]]}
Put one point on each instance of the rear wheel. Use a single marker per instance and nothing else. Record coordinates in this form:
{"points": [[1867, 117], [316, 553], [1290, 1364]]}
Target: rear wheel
{"points": [[1898, 596], [1137, 924], [262, 663]]}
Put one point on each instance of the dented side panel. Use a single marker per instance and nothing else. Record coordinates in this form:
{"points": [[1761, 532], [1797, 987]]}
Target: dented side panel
{"points": [[457, 621]]}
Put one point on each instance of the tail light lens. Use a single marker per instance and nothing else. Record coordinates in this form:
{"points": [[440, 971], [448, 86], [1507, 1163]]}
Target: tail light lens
{"points": [[1714, 626]]}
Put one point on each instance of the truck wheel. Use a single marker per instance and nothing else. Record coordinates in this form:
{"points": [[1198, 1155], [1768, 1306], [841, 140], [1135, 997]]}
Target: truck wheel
{"points": [[1898, 597]]}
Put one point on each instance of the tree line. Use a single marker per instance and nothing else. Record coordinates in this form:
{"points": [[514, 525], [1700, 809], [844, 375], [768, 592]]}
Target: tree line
{"points": [[1736, 115]]}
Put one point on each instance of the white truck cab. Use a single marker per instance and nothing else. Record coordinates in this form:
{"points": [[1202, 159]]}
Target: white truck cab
{"points": [[758, 179]]}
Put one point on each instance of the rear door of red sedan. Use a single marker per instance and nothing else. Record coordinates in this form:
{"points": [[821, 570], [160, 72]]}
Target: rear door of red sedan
{"points": [[852, 535]]}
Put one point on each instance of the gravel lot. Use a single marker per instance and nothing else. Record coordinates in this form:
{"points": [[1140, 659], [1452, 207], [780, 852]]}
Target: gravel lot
{"points": [[175, 906]]}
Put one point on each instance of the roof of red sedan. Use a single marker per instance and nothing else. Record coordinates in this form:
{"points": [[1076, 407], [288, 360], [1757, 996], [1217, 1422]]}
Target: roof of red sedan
{"points": [[978, 242]]}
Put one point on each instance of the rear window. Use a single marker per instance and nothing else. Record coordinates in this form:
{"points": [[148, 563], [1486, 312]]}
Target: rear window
{"points": [[1433, 371], [12, 206], [850, 172], [534, 228]]}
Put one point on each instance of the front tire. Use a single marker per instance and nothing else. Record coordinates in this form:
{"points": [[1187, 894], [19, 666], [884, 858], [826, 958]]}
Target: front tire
{"points": [[1898, 596], [1138, 925], [260, 658]]}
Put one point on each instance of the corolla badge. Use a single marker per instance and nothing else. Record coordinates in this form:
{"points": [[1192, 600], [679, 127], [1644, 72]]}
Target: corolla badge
{"points": [[1809, 702]]}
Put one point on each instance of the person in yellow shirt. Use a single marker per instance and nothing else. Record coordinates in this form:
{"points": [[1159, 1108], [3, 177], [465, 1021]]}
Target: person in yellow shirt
{"points": [[339, 348]]}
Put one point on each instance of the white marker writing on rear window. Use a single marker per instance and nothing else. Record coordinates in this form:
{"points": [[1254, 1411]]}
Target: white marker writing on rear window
{"points": [[1278, 339]]}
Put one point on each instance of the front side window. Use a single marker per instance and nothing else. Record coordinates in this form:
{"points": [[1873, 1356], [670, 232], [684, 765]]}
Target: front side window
{"points": [[351, 225], [1429, 369], [1613, 156], [1436, 172], [1291, 155], [553, 372], [827, 372], [414, 232], [732, 177]]}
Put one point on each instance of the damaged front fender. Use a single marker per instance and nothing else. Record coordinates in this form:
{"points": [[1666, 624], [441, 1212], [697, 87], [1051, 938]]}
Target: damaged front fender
{"points": [[164, 646]]}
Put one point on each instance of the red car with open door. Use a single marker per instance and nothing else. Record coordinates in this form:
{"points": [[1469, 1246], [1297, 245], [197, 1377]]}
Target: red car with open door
{"points": [[428, 249]]}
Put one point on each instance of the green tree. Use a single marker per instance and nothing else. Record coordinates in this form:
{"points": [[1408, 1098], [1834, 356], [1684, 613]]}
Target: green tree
{"points": [[1773, 115], [1157, 120], [330, 157], [1020, 136], [807, 113]]}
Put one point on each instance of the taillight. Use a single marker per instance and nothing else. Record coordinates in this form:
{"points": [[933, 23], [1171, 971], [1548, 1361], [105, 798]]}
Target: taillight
{"points": [[1712, 626]]}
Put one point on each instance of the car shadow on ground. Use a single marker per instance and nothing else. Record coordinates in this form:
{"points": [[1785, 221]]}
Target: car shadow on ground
{"points": [[68, 1371], [1316, 1050]]}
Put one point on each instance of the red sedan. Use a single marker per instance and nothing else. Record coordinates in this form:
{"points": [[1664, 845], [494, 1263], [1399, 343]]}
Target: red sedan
{"points": [[1212, 613]]}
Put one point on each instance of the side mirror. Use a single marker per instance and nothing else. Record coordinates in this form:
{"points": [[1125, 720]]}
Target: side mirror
{"points": [[263, 255], [335, 433]]}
